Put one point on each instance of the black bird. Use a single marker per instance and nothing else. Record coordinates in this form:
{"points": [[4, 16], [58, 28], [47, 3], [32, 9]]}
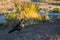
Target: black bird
{"points": [[18, 27]]}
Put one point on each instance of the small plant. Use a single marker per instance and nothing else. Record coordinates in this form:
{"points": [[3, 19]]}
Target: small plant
{"points": [[56, 10], [10, 16]]}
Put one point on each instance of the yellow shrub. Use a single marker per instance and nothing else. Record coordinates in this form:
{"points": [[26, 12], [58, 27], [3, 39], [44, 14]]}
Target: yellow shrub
{"points": [[29, 11]]}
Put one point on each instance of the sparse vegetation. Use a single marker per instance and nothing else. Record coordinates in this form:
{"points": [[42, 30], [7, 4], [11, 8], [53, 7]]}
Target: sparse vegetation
{"points": [[26, 10]]}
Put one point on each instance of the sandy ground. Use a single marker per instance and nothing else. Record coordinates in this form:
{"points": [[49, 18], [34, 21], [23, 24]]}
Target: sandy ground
{"points": [[45, 31]]}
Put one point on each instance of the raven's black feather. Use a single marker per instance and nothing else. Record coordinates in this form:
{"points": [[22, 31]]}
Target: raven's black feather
{"points": [[17, 27]]}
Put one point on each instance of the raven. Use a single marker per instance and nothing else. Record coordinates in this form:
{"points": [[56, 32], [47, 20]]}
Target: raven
{"points": [[18, 27]]}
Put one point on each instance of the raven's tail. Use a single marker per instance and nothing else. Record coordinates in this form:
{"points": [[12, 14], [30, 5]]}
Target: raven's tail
{"points": [[11, 31]]}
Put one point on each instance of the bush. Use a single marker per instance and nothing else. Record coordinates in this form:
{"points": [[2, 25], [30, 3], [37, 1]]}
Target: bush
{"points": [[29, 11], [56, 10]]}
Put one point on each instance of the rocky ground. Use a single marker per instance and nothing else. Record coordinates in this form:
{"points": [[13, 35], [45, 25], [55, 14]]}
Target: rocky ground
{"points": [[42, 31]]}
